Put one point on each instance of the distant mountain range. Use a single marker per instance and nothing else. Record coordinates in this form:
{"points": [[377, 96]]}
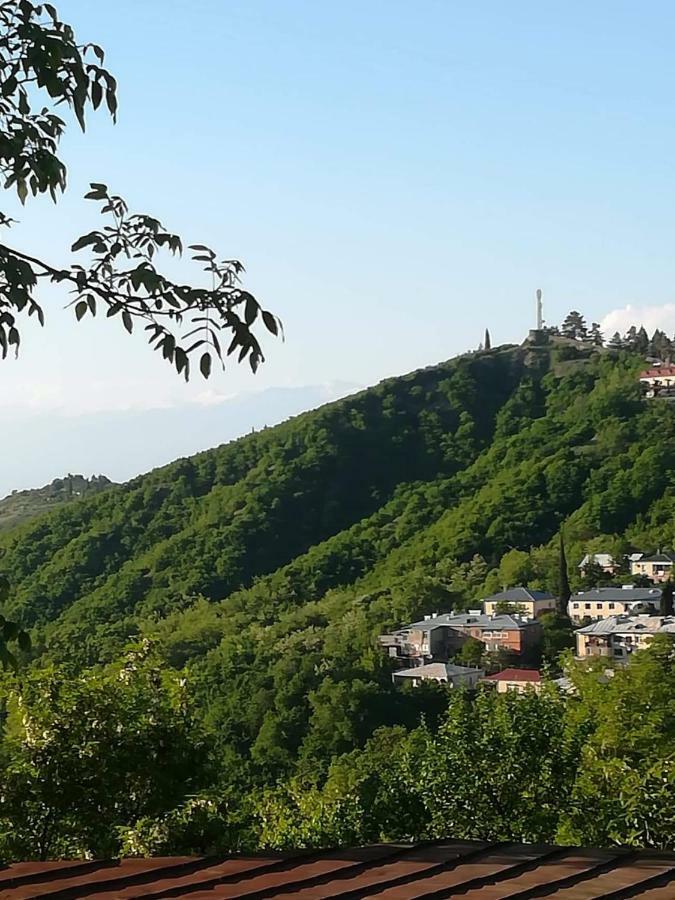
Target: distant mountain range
{"points": [[124, 444]]}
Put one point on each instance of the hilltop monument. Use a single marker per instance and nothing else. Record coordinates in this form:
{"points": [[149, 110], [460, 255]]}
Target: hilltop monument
{"points": [[538, 335]]}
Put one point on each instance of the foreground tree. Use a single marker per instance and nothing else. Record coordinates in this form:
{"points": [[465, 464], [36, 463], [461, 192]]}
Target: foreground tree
{"points": [[84, 756], [626, 772], [42, 65]]}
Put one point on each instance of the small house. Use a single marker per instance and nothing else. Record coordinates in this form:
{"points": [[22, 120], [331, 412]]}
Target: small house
{"points": [[519, 680], [442, 673], [658, 567], [604, 561]]}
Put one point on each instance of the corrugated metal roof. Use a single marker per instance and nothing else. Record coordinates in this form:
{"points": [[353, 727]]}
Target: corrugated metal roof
{"points": [[501, 622], [473, 870], [438, 670], [630, 625], [619, 593]]}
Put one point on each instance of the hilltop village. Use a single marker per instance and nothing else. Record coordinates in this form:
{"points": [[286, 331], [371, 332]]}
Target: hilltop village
{"points": [[502, 639], [499, 644]]}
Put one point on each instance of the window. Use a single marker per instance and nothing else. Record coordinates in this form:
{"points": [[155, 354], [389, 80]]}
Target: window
{"points": [[575, 606], [587, 605], [611, 605], [598, 605]]}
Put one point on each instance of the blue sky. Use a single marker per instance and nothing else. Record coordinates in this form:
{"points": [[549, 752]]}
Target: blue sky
{"points": [[395, 176]]}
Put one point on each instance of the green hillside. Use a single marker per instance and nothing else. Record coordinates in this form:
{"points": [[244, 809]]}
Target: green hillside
{"points": [[268, 566]]}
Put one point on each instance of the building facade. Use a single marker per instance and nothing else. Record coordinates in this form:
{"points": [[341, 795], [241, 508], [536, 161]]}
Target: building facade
{"points": [[442, 673], [658, 567], [659, 381], [601, 603], [522, 600], [604, 561], [618, 637], [438, 637], [518, 680]]}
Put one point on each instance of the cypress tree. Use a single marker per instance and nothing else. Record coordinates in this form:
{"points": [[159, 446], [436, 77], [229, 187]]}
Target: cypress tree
{"points": [[488, 344], [564, 591], [667, 599]]}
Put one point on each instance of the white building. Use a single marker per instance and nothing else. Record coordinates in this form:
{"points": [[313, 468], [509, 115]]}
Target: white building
{"points": [[601, 603], [442, 673], [604, 561]]}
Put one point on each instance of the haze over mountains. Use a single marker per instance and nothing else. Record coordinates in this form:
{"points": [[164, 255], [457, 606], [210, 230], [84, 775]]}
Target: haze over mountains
{"points": [[122, 444]]}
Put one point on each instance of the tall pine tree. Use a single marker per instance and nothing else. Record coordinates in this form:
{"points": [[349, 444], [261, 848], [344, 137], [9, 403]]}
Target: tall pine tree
{"points": [[488, 343], [564, 590]]}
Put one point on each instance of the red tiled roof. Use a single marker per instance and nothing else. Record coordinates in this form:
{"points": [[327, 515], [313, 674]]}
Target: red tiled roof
{"points": [[655, 373], [473, 870], [516, 675]]}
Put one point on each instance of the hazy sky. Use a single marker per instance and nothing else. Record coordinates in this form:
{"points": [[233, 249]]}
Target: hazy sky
{"points": [[395, 176]]}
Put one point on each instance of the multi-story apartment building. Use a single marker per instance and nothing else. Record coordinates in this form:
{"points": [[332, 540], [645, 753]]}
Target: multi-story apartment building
{"points": [[618, 637], [438, 637], [601, 603]]}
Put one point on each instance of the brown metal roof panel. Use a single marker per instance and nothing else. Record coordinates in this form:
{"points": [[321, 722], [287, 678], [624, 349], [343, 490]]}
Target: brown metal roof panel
{"points": [[664, 892], [552, 870], [240, 870], [405, 861], [113, 873], [465, 874], [629, 878], [423, 859], [218, 871]]}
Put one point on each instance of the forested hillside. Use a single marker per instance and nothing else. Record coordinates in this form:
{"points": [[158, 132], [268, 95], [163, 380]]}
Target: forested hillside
{"points": [[266, 568]]}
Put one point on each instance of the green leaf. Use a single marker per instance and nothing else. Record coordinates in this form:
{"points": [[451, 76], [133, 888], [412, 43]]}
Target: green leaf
{"points": [[205, 365], [270, 322], [85, 241], [9, 86], [96, 94], [250, 310], [127, 321], [80, 309]]}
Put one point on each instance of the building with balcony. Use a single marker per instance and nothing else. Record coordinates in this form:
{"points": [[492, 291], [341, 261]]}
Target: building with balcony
{"points": [[658, 567], [618, 637]]}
